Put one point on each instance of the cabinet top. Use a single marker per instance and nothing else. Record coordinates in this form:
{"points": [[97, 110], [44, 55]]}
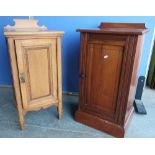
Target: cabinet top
{"points": [[118, 28], [28, 27], [23, 32]]}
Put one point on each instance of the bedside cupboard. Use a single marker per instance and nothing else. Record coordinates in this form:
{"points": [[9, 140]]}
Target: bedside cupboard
{"points": [[35, 57], [109, 58]]}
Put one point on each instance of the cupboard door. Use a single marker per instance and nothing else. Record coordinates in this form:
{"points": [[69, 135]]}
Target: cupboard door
{"points": [[102, 74], [36, 60]]}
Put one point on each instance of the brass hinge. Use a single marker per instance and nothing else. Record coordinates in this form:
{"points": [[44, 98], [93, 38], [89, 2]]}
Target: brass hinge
{"points": [[22, 77]]}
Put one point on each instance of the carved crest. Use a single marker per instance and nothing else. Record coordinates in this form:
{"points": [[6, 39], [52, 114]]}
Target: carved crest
{"points": [[25, 24]]}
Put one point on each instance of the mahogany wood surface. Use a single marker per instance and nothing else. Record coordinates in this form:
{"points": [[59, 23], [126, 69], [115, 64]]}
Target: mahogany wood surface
{"points": [[108, 65], [123, 25]]}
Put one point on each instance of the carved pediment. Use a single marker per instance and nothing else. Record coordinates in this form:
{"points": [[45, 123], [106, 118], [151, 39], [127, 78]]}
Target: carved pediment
{"points": [[25, 24]]}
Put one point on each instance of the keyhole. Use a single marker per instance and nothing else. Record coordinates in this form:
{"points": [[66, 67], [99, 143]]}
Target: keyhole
{"points": [[105, 56]]}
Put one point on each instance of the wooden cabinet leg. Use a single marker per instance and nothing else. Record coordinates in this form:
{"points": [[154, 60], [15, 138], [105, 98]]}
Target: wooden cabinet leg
{"points": [[21, 122], [59, 109], [59, 78]]}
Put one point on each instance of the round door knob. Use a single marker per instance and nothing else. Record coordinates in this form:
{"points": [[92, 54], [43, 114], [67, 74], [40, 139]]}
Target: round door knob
{"points": [[82, 76]]}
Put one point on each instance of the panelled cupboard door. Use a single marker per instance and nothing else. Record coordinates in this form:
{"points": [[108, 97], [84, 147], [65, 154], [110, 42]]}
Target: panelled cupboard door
{"points": [[36, 60], [109, 59], [102, 74]]}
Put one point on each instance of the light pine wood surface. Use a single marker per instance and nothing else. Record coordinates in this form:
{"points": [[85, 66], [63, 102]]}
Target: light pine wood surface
{"points": [[35, 57]]}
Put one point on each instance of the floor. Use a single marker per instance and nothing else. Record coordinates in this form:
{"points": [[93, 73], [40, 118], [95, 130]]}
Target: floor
{"points": [[44, 123]]}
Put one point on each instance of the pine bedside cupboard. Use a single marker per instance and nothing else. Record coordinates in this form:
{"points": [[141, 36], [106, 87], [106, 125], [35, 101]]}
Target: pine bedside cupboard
{"points": [[35, 56], [109, 58]]}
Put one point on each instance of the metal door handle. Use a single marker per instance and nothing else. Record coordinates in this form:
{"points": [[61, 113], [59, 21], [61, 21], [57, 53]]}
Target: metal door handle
{"points": [[22, 77]]}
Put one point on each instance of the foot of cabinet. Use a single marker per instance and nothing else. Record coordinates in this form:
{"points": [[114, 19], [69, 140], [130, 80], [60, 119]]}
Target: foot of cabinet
{"points": [[100, 124]]}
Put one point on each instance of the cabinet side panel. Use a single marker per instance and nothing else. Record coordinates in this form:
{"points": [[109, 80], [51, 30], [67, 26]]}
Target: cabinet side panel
{"points": [[134, 78], [16, 83], [125, 80]]}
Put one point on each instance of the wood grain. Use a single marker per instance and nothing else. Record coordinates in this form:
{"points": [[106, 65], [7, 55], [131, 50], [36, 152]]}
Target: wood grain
{"points": [[38, 66], [16, 83], [59, 71], [102, 77], [35, 58], [117, 31], [104, 25], [108, 69]]}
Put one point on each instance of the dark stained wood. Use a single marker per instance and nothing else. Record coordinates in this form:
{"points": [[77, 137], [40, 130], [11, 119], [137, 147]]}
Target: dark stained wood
{"points": [[133, 83], [109, 64], [100, 124], [118, 28], [125, 80], [123, 25], [114, 31], [102, 77]]}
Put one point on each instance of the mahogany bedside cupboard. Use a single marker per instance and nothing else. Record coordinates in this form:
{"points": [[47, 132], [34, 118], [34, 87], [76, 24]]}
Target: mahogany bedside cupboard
{"points": [[109, 59], [35, 56]]}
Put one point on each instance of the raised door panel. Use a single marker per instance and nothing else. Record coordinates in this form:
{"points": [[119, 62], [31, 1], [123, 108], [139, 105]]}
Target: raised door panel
{"points": [[103, 69], [37, 72]]}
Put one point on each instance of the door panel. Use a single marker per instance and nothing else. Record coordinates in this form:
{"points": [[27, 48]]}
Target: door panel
{"points": [[38, 72], [103, 69], [37, 64]]}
